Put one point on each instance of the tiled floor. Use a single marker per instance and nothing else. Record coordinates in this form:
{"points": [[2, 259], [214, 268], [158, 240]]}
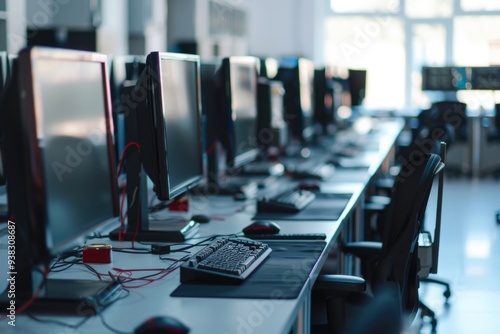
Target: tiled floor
{"points": [[469, 258]]}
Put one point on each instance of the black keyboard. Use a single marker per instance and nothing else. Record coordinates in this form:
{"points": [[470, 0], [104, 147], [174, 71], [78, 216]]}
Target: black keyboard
{"points": [[318, 171], [288, 236], [290, 201], [226, 260]]}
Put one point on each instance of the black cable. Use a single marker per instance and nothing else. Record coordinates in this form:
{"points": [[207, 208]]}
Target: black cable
{"points": [[60, 323]]}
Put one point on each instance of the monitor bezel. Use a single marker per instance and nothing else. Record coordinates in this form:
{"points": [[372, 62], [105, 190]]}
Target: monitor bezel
{"points": [[40, 225], [163, 189], [233, 159]]}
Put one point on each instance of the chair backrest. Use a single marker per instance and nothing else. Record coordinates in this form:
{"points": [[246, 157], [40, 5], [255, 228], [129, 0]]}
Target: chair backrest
{"points": [[497, 117], [452, 113], [398, 266]]}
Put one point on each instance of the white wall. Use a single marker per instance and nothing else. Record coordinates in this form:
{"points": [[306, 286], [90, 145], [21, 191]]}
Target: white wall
{"points": [[286, 28]]}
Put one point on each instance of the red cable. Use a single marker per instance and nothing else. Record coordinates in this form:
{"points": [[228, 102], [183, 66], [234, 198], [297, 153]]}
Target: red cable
{"points": [[30, 301], [121, 233]]}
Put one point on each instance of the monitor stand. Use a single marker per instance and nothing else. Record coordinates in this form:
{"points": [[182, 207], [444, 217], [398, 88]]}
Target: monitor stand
{"points": [[138, 223], [139, 226]]}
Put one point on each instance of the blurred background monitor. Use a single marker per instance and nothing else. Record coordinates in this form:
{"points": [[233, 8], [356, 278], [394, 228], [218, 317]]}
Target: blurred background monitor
{"points": [[272, 128], [446, 78], [238, 110], [297, 75], [357, 86], [485, 78]]}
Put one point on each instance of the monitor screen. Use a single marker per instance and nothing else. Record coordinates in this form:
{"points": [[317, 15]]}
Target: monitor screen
{"points": [[176, 163], [239, 133], [63, 126], [485, 78], [297, 75], [445, 78]]}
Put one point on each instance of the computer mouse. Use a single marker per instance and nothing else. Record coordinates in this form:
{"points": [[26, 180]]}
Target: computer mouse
{"points": [[261, 227], [200, 218], [161, 325]]}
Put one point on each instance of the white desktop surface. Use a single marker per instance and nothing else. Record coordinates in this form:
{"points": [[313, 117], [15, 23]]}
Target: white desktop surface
{"points": [[206, 315]]}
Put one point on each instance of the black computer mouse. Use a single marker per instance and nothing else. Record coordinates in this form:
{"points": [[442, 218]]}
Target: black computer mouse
{"points": [[200, 218], [161, 325], [261, 227]]}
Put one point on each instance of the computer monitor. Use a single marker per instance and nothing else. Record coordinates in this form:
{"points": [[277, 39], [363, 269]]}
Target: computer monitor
{"points": [[170, 137], [326, 100], [124, 70], [357, 86], [238, 112], [268, 67], [297, 75], [444, 78], [272, 128], [58, 160], [3, 83], [3, 71], [485, 78], [167, 126]]}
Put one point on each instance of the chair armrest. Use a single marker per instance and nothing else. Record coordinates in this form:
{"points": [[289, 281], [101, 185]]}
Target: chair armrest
{"points": [[363, 249], [340, 284]]}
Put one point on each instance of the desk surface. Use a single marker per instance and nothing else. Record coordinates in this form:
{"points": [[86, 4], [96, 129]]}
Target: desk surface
{"points": [[213, 315]]}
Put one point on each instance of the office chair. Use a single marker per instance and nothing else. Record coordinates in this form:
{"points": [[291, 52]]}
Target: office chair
{"points": [[396, 258], [493, 136], [453, 115]]}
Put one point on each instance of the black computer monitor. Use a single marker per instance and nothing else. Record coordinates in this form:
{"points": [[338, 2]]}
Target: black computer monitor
{"points": [[167, 126], [3, 83], [485, 78], [297, 75], [3, 71], [357, 86], [272, 128], [326, 101], [170, 124], [444, 78], [59, 162], [238, 111]]}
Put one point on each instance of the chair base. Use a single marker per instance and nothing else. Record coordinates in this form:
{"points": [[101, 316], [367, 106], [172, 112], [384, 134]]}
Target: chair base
{"points": [[425, 311], [447, 291]]}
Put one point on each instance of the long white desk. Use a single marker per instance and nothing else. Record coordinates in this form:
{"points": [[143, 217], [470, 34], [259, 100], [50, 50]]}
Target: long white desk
{"points": [[218, 315]]}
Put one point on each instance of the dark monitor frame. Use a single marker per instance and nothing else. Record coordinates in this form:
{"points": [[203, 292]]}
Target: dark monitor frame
{"points": [[145, 125], [301, 121], [357, 86], [26, 188], [154, 143], [227, 135]]}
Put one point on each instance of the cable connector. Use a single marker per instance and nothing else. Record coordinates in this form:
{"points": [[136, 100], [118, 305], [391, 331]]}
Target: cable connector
{"points": [[160, 249]]}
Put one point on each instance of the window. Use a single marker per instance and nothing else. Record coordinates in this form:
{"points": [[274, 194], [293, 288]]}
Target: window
{"points": [[368, 6], [375, 44], [393, 44], [428, 8]]}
